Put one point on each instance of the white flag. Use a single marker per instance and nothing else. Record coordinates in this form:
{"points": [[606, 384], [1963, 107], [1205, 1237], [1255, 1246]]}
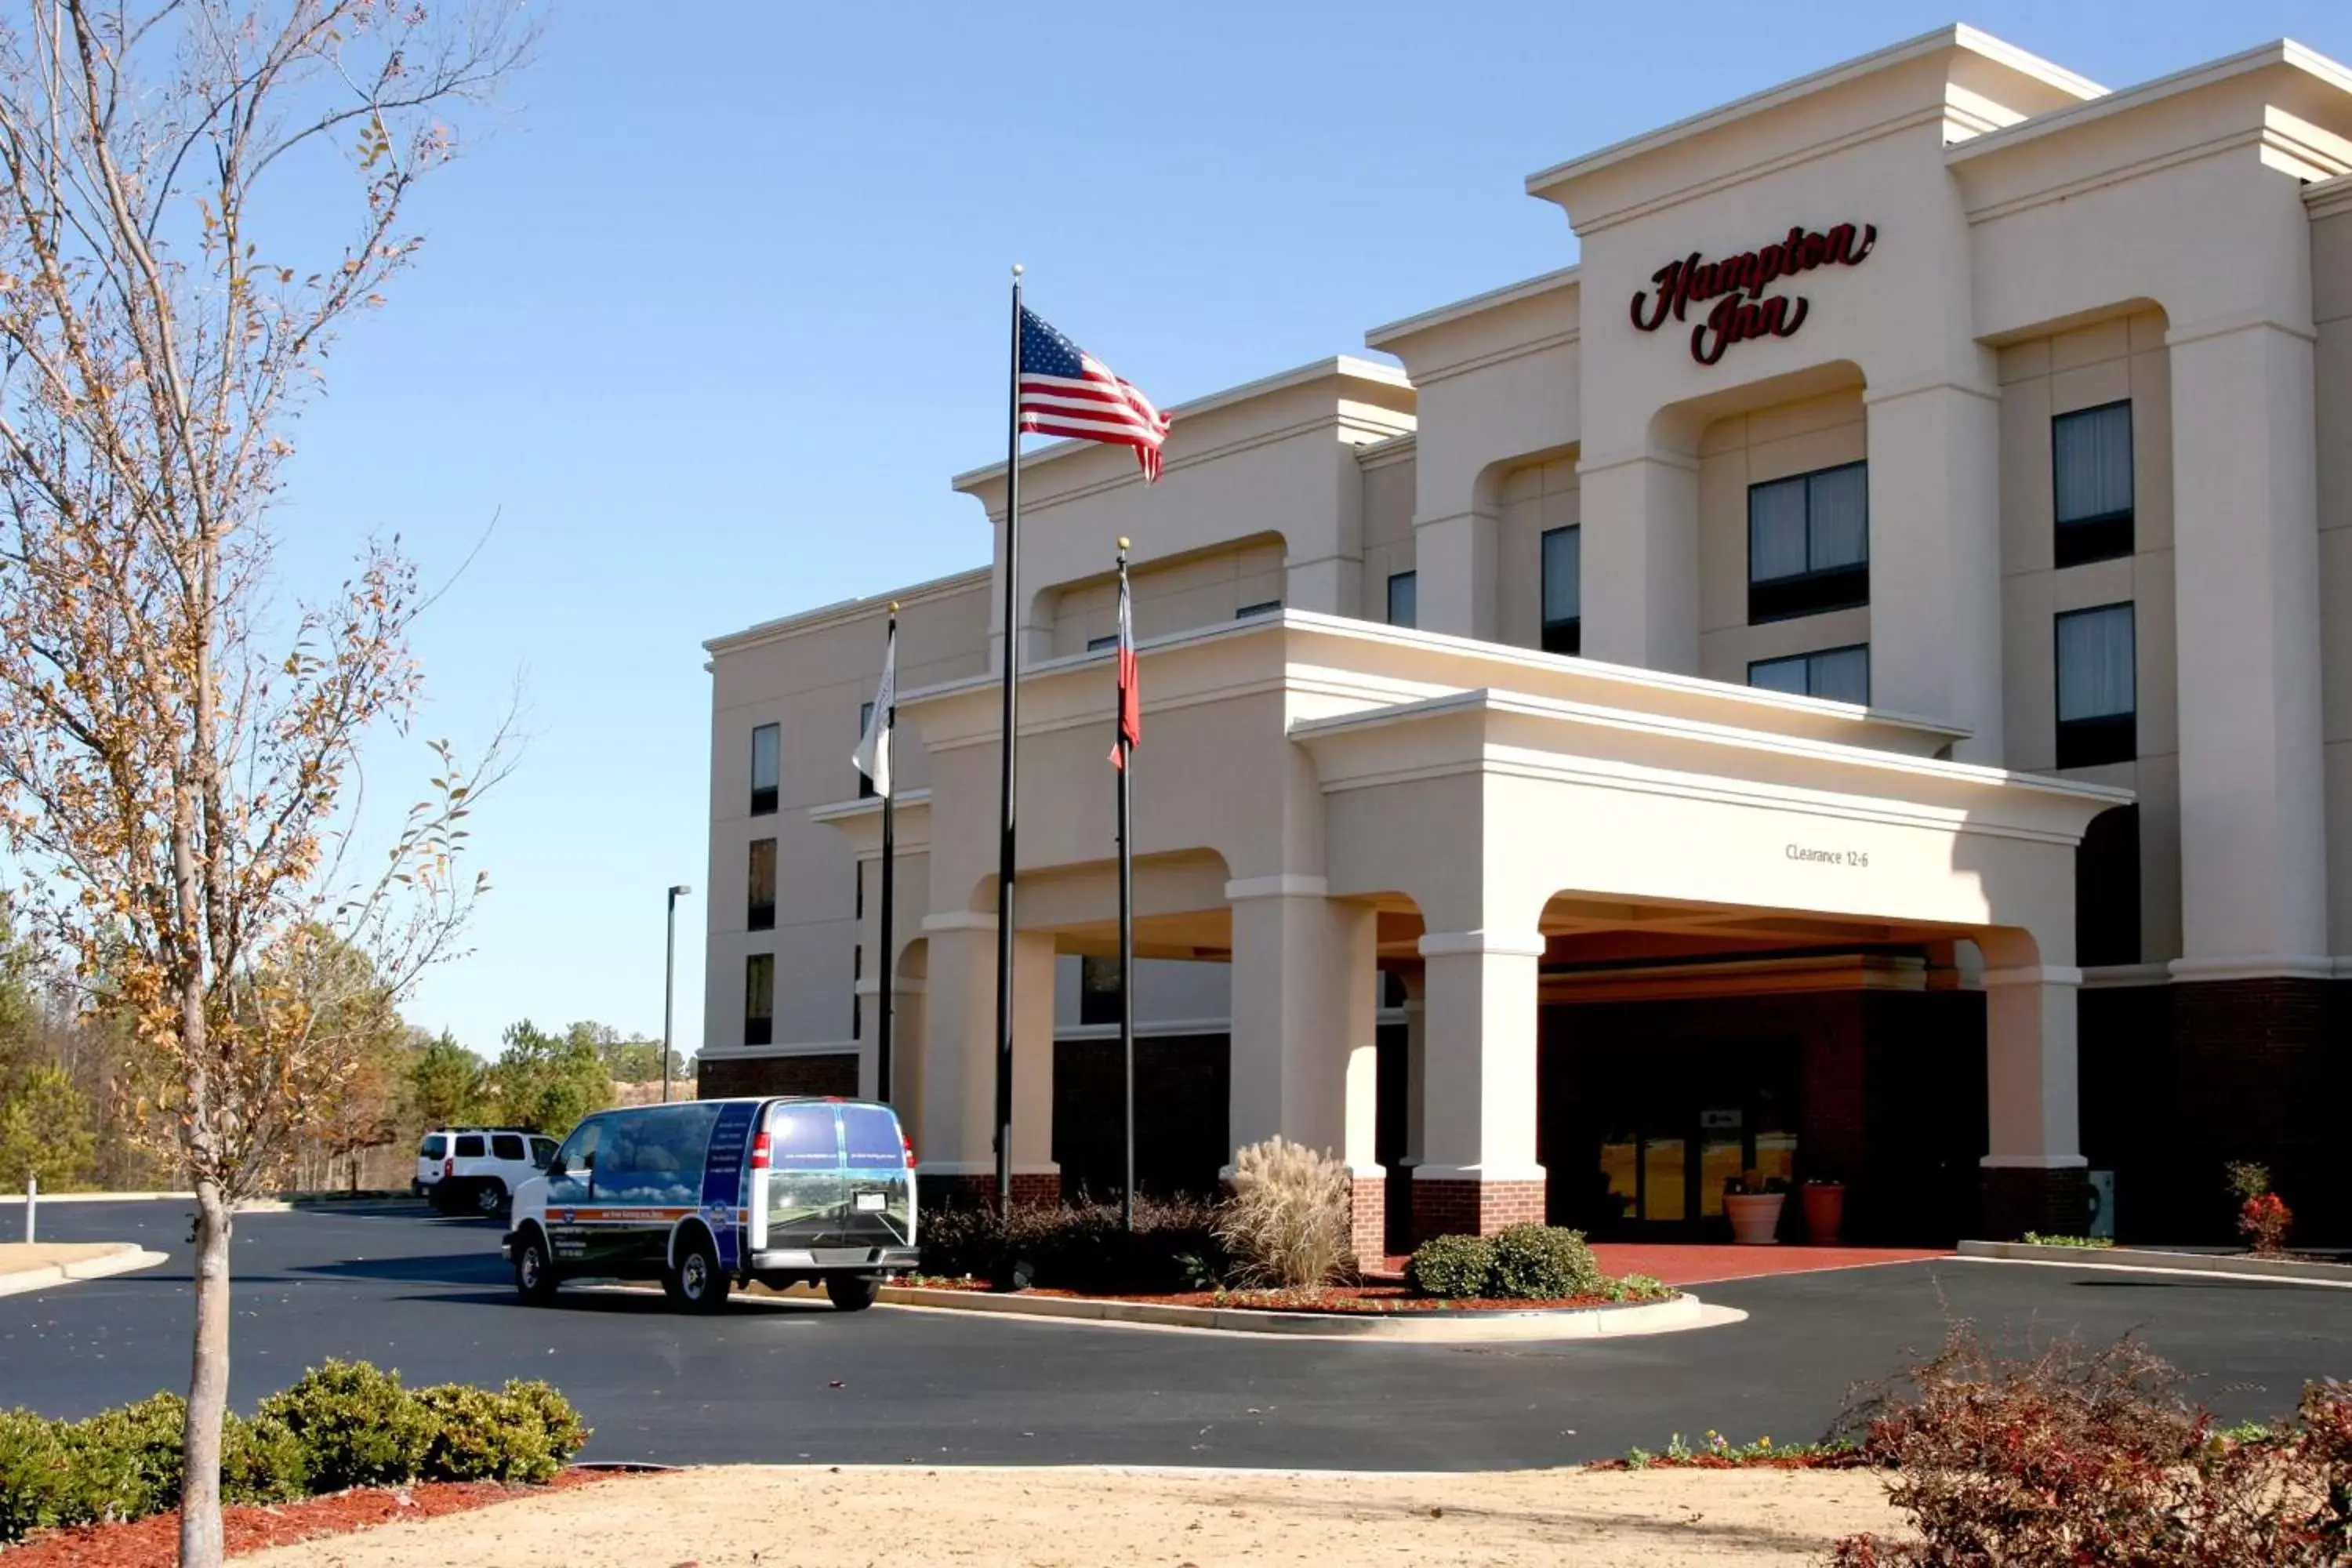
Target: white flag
{"points": [[873, 753]]}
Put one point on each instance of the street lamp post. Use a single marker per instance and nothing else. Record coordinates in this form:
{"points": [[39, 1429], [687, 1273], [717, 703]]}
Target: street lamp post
{"points": [[669, 979]]}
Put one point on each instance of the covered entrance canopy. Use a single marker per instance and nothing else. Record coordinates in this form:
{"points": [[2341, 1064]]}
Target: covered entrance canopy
{"points": [[1525, 838]]}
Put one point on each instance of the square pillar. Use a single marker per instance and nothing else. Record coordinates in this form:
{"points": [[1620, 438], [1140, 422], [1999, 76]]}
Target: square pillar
{"points": [[2034, 1176], [1455, 558], [954, 1128], [2253, 877], [1935, 558], [1478, 1108], [1641, 560], [1305, 1053]]}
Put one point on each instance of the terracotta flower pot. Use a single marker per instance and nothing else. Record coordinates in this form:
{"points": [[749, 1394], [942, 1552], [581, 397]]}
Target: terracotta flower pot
{"points": [[1755, 1217], [1824, 1212]]}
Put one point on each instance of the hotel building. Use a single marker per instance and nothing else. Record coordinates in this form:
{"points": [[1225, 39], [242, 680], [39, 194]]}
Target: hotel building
{"points": [[1851, 680]]}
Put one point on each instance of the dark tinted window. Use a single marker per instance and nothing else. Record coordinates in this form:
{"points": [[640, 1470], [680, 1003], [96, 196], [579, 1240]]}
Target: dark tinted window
{"points": [[579, 1151], [767, 767], [1098, 989], [656, 1157], [1809, 544], [758, 999], [869, 1136], [506, 1145], [801, 1138], [2090, 482], [469, 1146], [1405, 599], [1267, 608], [1564, 590], [433, 1148], [760, 910], [541, 1149], [2098, 695]]}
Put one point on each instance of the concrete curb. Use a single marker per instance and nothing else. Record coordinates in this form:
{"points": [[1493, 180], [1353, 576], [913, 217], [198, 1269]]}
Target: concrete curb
{"points": [[2225, 1265], [1682, 1312], [250, 1205], [127, 1258]]}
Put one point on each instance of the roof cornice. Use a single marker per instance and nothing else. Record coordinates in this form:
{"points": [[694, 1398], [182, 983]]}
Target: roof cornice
{"points": [[845, 610], [1475, 305]]}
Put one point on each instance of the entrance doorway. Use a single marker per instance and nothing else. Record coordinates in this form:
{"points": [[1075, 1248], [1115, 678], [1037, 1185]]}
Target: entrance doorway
{"points": [[1685, 1119]]}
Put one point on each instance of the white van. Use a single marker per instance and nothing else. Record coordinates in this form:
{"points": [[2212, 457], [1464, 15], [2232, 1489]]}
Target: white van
{"points": [[473, 1169], [704, 1195]]}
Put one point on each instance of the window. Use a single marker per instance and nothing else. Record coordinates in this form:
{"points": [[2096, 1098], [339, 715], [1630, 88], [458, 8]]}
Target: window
{"points": [[1108, 639], [1809, 544], [2098, 704], [656, 1157], [2106, 889], [1404, 598], [767, 766], [2091, 479], [857, 1002], [578, 1155], [759, 900], [1097, 990], [1268, 607], [469, 1146], [543, 1150], [871, 1139], [865, 718], [507, 1146], [801, 1138], [759, 999], [858, 871], [1835, 675], [1563, 591], [433, 1148]]}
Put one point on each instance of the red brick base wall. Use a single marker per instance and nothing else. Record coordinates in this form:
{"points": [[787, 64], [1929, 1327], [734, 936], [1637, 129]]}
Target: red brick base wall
{"points": [[1369, 1219], [2017, 1199], [1030, 1189], [1447, 1206], [831, 1073]]}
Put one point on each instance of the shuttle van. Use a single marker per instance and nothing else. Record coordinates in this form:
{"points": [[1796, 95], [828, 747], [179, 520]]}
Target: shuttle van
{"points": [[705, 1195]]}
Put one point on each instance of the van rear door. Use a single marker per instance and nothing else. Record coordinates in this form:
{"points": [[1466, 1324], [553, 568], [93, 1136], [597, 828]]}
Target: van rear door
{"points": [[880, 1189], [805, 1194]]}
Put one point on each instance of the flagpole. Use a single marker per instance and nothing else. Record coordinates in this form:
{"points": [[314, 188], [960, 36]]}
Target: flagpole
{"points": [[887, 1001], [1126, 930], [1008, 747]]}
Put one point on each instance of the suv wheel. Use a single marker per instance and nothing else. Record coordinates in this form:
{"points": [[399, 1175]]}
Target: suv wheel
{"points": [[694, 1281], [534, 1273], [851, 1293], [490, 1199]]}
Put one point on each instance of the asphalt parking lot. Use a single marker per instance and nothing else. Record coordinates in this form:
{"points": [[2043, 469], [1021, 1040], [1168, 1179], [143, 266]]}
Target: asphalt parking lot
{"points": [[785, 1383]]}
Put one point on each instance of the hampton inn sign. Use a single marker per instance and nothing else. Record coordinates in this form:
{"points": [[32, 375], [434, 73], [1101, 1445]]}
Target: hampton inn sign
{"points": [[1737, 283]]}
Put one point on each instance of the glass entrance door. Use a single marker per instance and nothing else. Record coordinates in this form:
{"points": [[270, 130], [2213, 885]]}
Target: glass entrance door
{"points": [[1689, 1122]]}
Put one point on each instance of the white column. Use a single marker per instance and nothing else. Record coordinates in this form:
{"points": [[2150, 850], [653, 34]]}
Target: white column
{"points": [[956, 1130], [2246, 569], [2030, 1068], [1639, 563], [1478, 1109], [1416, 1064], [1935, 558], [1032, 1058], [1306, 998], [1454, 562]]}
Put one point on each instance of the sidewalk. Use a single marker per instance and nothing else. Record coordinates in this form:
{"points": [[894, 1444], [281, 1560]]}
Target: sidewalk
{"points": [[41, 1265]]}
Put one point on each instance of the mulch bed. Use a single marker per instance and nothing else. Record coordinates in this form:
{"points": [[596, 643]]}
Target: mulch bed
{"points": [[156, 1542], [1375, 1299]]}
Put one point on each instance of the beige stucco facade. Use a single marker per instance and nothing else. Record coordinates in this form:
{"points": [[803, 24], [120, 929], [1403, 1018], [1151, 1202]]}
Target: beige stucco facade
{"points": [[1946, 247]]}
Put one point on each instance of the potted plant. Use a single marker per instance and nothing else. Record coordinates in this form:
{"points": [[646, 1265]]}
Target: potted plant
{"points": [[1824, 1210], [1754, 1209]]}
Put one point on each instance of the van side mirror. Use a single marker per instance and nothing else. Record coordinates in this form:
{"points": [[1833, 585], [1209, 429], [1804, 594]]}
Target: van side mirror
{"points": [[555, 1171]]}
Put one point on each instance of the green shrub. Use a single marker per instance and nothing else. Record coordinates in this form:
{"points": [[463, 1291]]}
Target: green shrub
{"points": [[523, 1432], [1286, 1225], [1543, 1263], [262, 1461], [1080, 1246], [1452, 1265], [1635, 1287], [33, 1465], [356, 1426], [124, 1463]]}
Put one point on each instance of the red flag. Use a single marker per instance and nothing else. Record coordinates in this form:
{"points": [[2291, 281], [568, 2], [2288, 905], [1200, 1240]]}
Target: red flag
{"points": [[1130, 688]]}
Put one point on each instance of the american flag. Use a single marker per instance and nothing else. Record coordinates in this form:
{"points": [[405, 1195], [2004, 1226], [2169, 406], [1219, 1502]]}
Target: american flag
{"points": [[1065, 391], [1131, 681]]}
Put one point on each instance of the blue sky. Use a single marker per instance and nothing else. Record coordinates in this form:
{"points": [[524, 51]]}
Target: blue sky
{"points": [[704, 314]]}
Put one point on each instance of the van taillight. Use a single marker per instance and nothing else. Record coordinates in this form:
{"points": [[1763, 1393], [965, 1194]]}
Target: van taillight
{"points": [[760, 1151], [909, 1145]]}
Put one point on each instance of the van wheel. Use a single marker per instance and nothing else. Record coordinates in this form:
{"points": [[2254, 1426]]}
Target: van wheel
{"points": [[694, 1281], [851, 1293], [490, 1199], [534, 1273]]}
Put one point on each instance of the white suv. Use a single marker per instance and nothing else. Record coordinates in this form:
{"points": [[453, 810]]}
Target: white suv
{"points": [[474, 1168]]}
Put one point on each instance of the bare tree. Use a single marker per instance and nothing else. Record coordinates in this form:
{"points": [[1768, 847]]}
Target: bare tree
{"points": [[178, 759]]}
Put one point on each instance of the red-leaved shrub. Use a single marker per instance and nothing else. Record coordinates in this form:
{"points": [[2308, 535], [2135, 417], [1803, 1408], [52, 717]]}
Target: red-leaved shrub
{"points": [[2264, 1222], [2078, 1456]]}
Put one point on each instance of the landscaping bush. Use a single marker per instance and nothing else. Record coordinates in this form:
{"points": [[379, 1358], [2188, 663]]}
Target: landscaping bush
{"points": [[521, 1433], [33, 1467], [566, 1433], [1079, 1246], [357, 1426], [123, 1463], [1543, 1263], [1286, 1225], [2075, 1457], [1450, 1266], [262, 1461]]}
